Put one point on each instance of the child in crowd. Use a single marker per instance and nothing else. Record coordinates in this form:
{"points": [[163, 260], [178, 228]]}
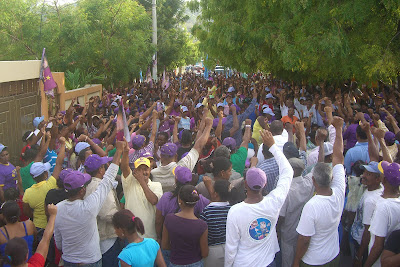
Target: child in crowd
{"points": [[140, 251]]}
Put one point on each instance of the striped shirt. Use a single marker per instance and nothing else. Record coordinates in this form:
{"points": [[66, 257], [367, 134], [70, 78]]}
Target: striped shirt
{"points": [[215, 215], [271, 169]]}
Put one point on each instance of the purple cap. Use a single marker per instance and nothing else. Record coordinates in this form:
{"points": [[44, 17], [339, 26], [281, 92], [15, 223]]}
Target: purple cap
{"points": [[63, 112], [176, 104], [138, 140], [96, 141], [116, 110], [391, 172], [216, 120], [64, 174], [76, 179], [94, 162], [147, 155], [390, 138], [256, 179], [367, 117], [182, 174], [169, 149], [229, 142]]}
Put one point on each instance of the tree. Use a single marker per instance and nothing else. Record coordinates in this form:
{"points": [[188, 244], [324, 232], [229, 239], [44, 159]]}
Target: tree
{"points": [[303, 40], [112, 37]]}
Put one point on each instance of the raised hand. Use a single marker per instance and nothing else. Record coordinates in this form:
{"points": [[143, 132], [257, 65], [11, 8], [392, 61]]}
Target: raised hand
{"points": [[267, 138]]}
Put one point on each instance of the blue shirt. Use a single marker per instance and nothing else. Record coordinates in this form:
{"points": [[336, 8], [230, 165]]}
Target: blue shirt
{"points": [[141, 254], [358, 152], [51, 157]]}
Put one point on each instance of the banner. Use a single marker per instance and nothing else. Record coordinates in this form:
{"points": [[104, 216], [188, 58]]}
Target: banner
{"points": [[46, 77]]}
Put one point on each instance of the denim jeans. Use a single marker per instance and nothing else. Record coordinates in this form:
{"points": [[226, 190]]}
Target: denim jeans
{"points": [[196, 264], [70, 264], [110, 257]]}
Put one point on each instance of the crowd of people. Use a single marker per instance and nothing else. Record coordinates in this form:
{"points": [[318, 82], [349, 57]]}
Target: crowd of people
{"points": [[228, 171]]}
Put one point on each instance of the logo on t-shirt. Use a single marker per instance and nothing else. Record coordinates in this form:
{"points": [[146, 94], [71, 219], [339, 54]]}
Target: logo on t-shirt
{"points": [[259, 228]]}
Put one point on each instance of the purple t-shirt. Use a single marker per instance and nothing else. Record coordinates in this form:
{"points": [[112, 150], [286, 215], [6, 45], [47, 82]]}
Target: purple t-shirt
{"points": [[184, 235], [350, 135], [168, 205], [8, 176]]}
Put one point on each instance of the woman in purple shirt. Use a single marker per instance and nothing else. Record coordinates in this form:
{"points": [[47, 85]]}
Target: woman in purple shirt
{"points": [[184, 234]]}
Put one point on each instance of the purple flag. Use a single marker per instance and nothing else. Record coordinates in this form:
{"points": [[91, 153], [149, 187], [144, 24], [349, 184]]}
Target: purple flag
{"points": [[165, 81], [46, 77]]}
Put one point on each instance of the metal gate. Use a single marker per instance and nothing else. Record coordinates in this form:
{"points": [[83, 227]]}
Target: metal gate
{"points": [[19, 105]]}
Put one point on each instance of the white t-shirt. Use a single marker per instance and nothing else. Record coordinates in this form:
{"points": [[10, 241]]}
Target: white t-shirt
{"points": [[136, 201], [385, 220], [163, 174], [285, 110], [320, 219], [280, 141], [365, 210], [251, 228]]}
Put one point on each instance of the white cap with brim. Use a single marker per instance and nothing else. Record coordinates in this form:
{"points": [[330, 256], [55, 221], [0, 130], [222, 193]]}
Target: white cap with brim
{"points": [[270, 96], [37, 121], [268, 111], [231, 89], [38, 168], [220, 105], [2, 147], [199, 105], [184, 109], [81, 146]]}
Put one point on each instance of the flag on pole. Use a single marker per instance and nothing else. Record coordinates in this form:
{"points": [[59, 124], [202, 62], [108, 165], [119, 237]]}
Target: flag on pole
{"points": [[122, 125], [206, 70], [165, 81], [46, 77], [141, 75], [149, 80]]}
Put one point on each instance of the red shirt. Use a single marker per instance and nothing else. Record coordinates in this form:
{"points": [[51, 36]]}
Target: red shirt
{"points": [[36, 260]]}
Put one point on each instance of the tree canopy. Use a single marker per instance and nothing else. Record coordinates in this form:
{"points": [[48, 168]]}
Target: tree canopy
{"points": [[112, 38], [303, 40]]}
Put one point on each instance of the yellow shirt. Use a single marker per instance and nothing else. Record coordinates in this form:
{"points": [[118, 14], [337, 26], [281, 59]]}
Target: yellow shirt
{"points": [[214, 107], [256, 132], [136, 201], [35, 196]]}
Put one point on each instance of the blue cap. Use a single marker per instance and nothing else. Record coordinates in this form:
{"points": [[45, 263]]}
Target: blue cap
{"points": [[371, 167], [38, 168], [81, 146], [37, 121], [2, 147], [231, 89]]}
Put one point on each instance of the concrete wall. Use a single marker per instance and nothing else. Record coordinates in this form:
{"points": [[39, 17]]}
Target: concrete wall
{"points": [[19, 70]]}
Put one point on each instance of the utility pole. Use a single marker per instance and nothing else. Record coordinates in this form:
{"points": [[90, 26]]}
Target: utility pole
{"points": [[154, 18]]}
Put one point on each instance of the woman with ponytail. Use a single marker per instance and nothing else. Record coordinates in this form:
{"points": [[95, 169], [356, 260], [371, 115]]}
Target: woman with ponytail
{"points": [[215, 214], [144, 252], [184, 234], [14, 228]]}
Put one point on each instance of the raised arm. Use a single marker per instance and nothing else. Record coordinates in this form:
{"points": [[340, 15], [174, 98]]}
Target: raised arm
{"points": [[43, 247], [154, 126], [247, 134], [44, 145], [60, 158], [372, 148], [338, 157], [96, 149], [380, 135], [204, 136], [175, 138], [126, 170], [300, 133], [218, 131], [235, 125]]}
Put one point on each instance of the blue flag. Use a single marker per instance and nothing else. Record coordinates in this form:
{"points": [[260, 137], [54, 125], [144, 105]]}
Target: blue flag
{"points": [[141, 76]]}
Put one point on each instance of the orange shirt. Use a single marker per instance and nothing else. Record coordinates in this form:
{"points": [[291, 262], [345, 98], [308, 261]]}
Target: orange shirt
{"points": [[287, 119]]}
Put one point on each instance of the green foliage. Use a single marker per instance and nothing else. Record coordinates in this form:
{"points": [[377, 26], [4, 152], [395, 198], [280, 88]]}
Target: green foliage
{"points": [[303, 40], [78, 78], [113, 37]]}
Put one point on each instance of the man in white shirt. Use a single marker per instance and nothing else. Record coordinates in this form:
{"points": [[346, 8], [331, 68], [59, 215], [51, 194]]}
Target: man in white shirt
{"points": [[110, 246], [318, 241], [251, 225], [365, 209], [163, 173], [386, 218], [280, 135], [141, 194], [75, 230]]}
